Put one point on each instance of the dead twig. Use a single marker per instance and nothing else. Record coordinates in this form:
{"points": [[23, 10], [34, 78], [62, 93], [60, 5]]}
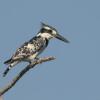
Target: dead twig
{"points": [[1, 98], [26, 69]]}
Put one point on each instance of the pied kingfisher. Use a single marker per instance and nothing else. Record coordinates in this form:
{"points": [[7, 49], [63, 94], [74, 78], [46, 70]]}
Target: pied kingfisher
{"points": [[31, 49]]}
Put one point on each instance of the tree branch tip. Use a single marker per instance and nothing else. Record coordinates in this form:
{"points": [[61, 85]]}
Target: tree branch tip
{"points": [[26, 69]]}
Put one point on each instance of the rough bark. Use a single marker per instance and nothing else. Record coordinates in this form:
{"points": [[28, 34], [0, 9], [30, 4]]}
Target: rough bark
{"points": [[19, 76]]}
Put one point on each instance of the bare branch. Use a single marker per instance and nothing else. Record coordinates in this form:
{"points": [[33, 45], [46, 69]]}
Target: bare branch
{"points": [[26, 69], [1, 98]]}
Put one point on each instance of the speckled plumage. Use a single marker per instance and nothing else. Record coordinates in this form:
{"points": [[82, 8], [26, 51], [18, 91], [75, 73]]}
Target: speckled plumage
{"points": [[31, 49], [27, 52], [34, 46]]}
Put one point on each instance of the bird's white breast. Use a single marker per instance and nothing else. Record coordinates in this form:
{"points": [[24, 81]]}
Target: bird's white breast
{"points": [[33, 56]]}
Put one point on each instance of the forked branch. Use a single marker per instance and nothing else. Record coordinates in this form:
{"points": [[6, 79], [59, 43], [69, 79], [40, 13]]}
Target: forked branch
{"points": [[26, 69]]}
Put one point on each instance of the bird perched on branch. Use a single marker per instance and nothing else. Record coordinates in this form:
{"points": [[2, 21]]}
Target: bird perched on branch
{"points": [[30, 50]]}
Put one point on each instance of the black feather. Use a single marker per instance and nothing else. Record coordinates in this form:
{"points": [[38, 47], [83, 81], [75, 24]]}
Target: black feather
{"points": [[8, 61], [6, 71]]}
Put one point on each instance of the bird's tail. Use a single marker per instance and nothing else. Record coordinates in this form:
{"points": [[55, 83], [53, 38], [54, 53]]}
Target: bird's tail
{"points": [[11, 65], [6, 71]]}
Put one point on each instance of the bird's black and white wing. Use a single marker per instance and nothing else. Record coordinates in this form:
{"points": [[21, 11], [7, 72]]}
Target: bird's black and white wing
{"points": [[35, 46]]}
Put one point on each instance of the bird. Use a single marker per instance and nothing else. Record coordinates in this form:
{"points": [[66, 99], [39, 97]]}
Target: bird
{"points": [[30, 50]]}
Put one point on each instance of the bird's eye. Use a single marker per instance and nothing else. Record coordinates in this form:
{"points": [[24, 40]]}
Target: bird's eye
{"points": [[49, 31], [42, 30]]}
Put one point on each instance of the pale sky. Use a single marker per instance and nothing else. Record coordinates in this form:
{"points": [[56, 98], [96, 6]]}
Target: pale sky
{"points": [[75, 74]]}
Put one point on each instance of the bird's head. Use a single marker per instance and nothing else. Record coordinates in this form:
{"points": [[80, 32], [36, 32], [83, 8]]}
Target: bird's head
{"points": [[49, 32]]}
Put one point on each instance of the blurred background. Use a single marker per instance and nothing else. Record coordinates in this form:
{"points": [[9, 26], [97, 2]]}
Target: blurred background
{"points": [[75, 74]]}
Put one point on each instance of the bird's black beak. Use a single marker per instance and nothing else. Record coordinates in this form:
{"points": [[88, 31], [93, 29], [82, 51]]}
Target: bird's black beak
{"points": [[58, 36]]}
